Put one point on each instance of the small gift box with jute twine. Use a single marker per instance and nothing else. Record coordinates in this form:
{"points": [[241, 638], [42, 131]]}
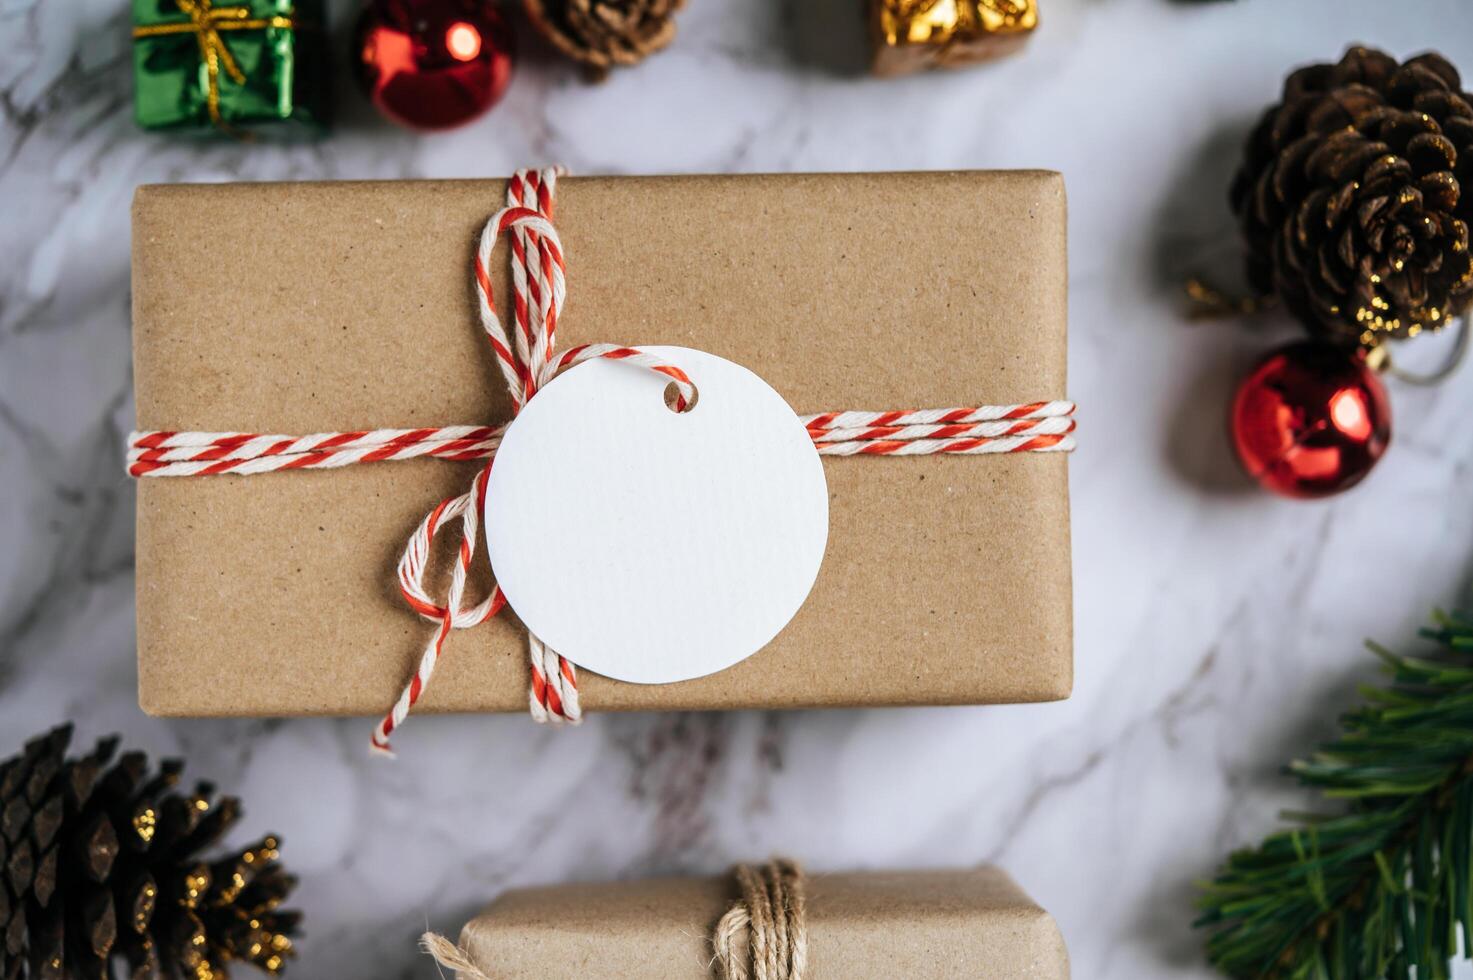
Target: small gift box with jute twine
{"points": [[228, 66], [772, 922]]}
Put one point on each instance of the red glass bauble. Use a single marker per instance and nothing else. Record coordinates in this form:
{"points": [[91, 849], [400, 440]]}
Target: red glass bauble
{"points": [[1310, 420], [433, 64]]}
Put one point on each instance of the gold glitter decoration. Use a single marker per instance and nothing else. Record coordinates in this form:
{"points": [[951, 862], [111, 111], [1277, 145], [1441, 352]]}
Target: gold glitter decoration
{"points": [[143, 912], [913, 35], [145, 822], [196, 883]]}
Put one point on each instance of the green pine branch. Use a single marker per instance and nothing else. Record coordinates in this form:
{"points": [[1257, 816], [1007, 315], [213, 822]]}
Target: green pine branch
{"points": [[1384, 886]]}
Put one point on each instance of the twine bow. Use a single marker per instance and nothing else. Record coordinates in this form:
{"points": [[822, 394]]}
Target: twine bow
{"points": [[206, 21], [763, 936], [772, 917], [527, 364]]}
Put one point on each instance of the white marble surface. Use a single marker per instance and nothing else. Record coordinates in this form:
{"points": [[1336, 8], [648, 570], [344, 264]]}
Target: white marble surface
{"points": [[1219, 629]]}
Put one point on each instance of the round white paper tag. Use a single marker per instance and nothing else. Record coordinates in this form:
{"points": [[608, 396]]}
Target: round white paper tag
{"points": [[651, 546]]}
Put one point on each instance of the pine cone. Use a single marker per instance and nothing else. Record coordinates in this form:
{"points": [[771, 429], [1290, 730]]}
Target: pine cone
{"points": [[1350, 197], [99, 866], [605, 33]]}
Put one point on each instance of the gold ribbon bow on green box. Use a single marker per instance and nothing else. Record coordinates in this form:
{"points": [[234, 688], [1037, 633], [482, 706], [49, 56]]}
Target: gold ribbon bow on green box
{"points": [[197, 63]]}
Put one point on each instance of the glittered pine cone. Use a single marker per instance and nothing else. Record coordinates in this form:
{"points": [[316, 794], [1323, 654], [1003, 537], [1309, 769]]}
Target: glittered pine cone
{"points": [[100, 868], [604, 33], [1356, 194]]}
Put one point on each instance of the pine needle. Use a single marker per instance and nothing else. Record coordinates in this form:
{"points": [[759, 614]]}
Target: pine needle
{"points": [[1383, 887]]}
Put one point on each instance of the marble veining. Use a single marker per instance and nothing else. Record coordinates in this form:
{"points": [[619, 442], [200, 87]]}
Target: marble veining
{"points": [[1219, 629]]}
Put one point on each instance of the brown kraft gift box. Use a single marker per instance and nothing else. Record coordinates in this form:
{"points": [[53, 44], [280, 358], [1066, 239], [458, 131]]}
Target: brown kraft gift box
{"points": [[298, 308], [930, 925]]}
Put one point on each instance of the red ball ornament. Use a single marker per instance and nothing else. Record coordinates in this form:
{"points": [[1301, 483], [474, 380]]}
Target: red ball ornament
{"points": [[433, 64], [1310, 420]]}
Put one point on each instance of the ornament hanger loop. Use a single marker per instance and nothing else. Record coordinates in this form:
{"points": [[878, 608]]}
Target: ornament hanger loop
{"points": [[1380, 359]]}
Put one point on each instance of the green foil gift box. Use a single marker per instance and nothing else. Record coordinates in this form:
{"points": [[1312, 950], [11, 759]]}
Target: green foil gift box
{"points": [[228, 65]]}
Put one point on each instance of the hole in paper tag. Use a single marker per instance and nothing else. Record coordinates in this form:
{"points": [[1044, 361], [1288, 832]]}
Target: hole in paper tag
{"points": [[653, 546]]}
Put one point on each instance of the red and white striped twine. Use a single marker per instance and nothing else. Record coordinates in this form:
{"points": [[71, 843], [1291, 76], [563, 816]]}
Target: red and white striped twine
{"points": [[528, 361]]}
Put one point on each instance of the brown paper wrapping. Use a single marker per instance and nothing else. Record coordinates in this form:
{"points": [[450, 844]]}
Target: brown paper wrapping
{"points": [[298, 308], [932, 925]]}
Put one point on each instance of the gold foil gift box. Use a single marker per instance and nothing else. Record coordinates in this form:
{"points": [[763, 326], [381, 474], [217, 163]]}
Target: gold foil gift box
{"points": [[915, 35]]}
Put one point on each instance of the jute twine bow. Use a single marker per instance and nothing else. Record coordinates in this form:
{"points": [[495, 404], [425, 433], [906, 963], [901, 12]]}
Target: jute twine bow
{"points": [[763, 936], [206, 21], [527, 360], [771, 917]]}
